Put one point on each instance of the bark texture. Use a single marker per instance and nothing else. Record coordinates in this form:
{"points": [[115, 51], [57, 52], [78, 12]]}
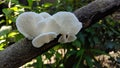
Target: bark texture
{"points": [[96, 10], [21, 52]]}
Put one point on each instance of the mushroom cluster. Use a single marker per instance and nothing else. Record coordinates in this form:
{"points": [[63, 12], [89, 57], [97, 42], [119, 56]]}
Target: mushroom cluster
{"points": [[42, 28]]}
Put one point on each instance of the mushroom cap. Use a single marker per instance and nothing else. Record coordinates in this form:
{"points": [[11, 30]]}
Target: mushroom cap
{"points": [[43, 27], [43, 38], [68, 22], [45, 14], [26, 24], [49, 25]]}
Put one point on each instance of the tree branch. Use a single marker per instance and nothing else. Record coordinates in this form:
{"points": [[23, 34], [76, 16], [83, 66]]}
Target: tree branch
{"points": [[23, 51], [96, 10]]}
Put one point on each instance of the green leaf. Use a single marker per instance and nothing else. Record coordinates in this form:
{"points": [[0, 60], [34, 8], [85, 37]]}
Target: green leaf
{"points": [[110, 33], [18, 37], [97, 52], [91, 41], [118, 33], [2, 45], [90, 30], [14, 1], [89, 61], [39, 62], [5, 30], [13, 34], [46, 5], [69, 53], [81, 37], [96, 40], [7, 11], [77, 43], [80, 52], [58, 55], [30, 3]]}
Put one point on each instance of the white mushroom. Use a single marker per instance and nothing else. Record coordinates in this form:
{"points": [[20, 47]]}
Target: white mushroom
{"points": [[43, 38], [45, 14], [27, 23], [50, 30], [50, 25], [69, 25], [43, 28]]}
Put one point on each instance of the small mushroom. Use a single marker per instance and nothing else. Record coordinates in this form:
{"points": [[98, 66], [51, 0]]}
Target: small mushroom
{"points": [[50, 25], [43, 38], [69, 26], [43, 28], [50, 30], [27, 23]]}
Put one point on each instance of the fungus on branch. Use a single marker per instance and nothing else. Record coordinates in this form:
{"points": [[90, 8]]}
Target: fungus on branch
{"points": [[27, 23], [43, 38], [69, 24], [43, 28]]}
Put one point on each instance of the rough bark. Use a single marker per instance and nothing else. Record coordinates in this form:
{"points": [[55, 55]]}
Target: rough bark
{"points": [[23, 51], [96, 10]]}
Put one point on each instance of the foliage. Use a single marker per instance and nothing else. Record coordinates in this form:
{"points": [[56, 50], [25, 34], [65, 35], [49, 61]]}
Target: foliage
{"points": [[100, 38]]}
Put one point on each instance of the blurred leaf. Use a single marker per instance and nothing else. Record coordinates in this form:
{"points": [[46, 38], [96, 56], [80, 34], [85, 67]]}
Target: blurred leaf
{"points": [[80, 52], [39, 63], [77, 43], [2, 21], [58, 55], [1, 48], [81, 37], [46, 5], [5, 30], [110, 45], [96, 40], [110, 33], [7, 11], [97, 52], [69, 9], [69, 53], [89, 61], [30, 3], [57, 47], [90, 30], [15, 8], [50, 53], [2, 44], [118, 33], [14, 1], [12, 34], [91, 41], [18, 37]]}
